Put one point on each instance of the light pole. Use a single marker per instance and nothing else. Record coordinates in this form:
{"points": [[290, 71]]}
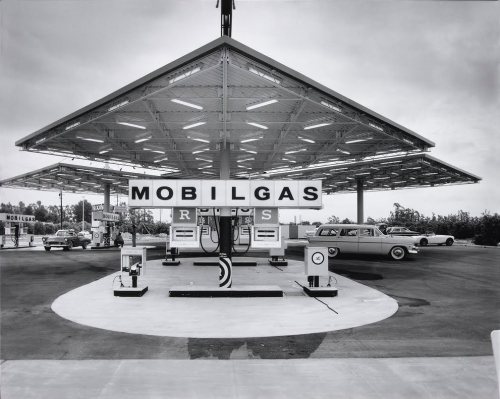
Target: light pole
{"points": [[61, 208], [83, 214]]}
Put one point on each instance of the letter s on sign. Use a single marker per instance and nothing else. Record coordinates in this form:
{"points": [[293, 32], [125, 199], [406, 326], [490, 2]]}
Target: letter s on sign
{"points": [[266, 214], [311, 193]]}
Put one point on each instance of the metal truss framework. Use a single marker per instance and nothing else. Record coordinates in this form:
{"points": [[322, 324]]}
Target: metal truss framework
{"points": [[179, 118]]}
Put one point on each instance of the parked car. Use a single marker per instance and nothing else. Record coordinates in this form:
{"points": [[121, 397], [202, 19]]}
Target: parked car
{"points": [[86, 234], [361, 239], [434, 239], [400, 231], [66, 239]]}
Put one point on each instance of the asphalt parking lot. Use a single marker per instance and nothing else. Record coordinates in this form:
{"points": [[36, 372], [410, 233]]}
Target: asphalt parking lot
{"points": [[448, 305]]}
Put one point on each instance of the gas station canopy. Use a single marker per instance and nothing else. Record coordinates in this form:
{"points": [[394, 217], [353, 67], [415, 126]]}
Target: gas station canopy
{"points": [[406, 171], [76, 179], [225, 95]]}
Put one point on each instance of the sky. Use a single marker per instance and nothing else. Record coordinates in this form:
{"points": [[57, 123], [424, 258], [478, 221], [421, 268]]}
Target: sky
{"points": [[431, 66]]}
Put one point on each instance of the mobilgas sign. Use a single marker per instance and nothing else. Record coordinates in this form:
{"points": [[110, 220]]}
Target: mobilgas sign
{"points": [[12, 217], [222, 193]]}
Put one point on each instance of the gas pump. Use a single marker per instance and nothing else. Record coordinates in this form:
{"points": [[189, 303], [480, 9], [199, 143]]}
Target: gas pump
{"points": [[316, 266], [245, 219], [132, 265], [103, 228], [266, 231], [183, 233]]}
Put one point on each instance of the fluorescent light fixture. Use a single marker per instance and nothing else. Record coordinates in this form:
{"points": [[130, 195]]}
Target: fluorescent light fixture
{"points": [[295, 151], [363, 173], [246, 159], [375, 126], [118, 105], [143, 138], [208, 173], [264, 75], [131, 125], [203, 159], [158, 160], [389, 162], [184, 75], [263, 104], [107, 179], [249, 151], [243, 167], [381, 178], [200, 151], [200, 140], [90, 139], [249, 140], [331, 106], [358, 140], [317, 125], [205, 167], [306, 140], [175, 100], [103, 152], [343, 151], [153, 150], [41, 140], [193, 125], [288, 160], [408, 141], [72, 126], [258, 125]]}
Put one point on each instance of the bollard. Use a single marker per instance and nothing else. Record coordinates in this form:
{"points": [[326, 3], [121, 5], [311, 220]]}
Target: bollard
{"points": [[225, 271]]}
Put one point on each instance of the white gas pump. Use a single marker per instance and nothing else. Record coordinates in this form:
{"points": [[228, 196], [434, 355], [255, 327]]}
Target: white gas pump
{"points": [[132, 265], [316, 266], [266, 232], [184, 231], [103, 228]]}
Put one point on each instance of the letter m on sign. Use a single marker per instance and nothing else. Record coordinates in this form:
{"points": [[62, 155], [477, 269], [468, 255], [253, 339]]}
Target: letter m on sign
{"points": [[140, 193]]}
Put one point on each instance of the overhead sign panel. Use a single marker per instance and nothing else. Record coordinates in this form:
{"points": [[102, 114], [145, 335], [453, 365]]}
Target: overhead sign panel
{"points": [[225, 193]]}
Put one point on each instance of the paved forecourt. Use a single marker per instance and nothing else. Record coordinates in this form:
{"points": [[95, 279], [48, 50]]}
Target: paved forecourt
{"points": [[158, 314]]}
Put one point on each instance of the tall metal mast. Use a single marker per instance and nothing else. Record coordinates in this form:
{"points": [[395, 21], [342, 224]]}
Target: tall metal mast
{"points": [[226, 15]]}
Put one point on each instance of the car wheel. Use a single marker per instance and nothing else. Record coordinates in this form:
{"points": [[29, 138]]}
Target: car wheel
{"points": [[398, 253], [424, 242], [70, 245], [84, 245], [449, 242], [47, 248], [333, 252]]}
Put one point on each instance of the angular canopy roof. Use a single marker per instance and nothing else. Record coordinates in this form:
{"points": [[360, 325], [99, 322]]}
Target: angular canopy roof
{"points": [[178, 118], [75, 178]]}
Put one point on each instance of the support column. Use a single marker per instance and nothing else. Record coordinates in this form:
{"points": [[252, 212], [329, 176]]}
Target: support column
{"points": [[359, 189], [225, 227], [107, 196]]}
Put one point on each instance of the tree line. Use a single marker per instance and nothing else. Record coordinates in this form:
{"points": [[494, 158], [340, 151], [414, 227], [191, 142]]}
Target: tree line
{"points": [[483, 230]]}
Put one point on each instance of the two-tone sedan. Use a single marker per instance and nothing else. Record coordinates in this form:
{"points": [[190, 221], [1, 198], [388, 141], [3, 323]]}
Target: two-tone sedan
{"points": [[361, 239], [65, 239]]}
